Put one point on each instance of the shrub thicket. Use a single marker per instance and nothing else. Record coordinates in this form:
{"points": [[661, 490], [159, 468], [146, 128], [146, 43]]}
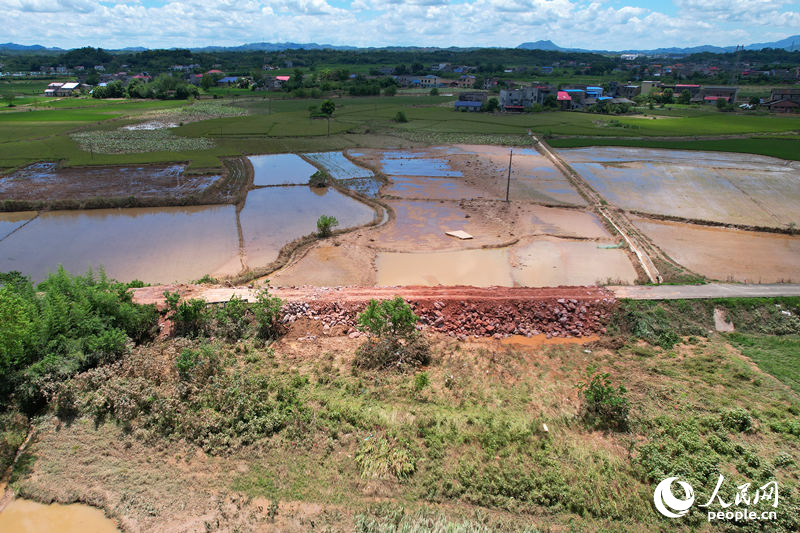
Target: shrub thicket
{"points": [[394, 341], [66, 324]]}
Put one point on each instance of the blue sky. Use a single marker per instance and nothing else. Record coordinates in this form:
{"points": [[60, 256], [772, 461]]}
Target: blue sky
{"points": [[594, 24]]}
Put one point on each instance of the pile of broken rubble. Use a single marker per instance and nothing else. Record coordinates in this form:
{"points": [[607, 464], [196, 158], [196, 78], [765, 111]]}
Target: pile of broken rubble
{"points": [[482, 318]]}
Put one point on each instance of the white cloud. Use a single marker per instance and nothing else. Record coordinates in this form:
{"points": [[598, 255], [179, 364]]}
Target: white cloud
{"points": [[569, 23]]}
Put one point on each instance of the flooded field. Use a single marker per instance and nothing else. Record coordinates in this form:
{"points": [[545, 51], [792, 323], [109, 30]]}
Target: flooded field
{"points": [[173, 243], [533, 176], [543, 262], [338, 166], [151, 244], [480, 268], [46, 182], [275, 216], [416, 163], [11, 221], [728, 254], [550, 262], [280, 169], [722, 187], [421, 188], [369, 187], [25, 516]]}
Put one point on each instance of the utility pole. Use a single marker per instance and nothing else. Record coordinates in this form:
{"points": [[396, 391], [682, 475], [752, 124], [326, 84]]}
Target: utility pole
{"points": [[508, 182]]}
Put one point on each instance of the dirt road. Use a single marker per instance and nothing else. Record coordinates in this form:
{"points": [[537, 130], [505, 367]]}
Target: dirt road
{"points": [[711, 290]]}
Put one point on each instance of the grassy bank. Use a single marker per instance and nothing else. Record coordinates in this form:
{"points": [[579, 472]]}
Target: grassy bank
{"points": [[494, 437]]}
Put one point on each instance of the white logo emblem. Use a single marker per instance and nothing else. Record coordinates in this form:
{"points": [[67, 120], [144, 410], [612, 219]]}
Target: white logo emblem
{"points": [[666, 502]]}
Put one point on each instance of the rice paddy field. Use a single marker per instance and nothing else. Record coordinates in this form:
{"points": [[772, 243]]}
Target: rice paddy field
{"points": [[720, 187]]}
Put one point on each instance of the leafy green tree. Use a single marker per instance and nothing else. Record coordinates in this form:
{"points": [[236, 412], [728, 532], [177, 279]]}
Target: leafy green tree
{"points": [[434, 92], [667, 96], [267, 311], [685, 97], [400, 116], [492, 105], [327, 108], [394, 341], [390, 90]]}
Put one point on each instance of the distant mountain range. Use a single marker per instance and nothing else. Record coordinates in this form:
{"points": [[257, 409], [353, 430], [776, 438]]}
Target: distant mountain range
{"points": [[790, 43]]}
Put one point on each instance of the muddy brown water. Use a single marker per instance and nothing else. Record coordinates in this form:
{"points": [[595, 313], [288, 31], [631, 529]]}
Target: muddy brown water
{"points": [[25, 516], [11, 221], [280, 169], [727, 254], [722, 187], [174, 243], [478, 268], [275, 216], [540, 262]]}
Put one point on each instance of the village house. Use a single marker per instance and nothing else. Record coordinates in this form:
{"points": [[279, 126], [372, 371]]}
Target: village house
{"points": [[472, 101], [712, 94], [784, 101]]}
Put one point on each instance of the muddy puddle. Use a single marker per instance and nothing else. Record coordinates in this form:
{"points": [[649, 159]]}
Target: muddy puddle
{"points": [[48, 182], [727, 254], [338, 166], [479, 268], [274, 216], [25, 516], [280, 169], [721, 187]]}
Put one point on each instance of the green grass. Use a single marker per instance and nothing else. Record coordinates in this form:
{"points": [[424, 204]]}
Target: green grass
{"points": [[277, 123], [778, 356]]}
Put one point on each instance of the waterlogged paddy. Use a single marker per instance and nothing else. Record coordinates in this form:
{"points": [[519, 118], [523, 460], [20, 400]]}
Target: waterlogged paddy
{"points": [[533, 176], [722, 187], [338, 166], [727, 254], [479, 268], [280, 169], [401, 163], [150, 244], [543, 262], [48, 182], [174, 243], [276, 216], [25, 516], [11, 221]]}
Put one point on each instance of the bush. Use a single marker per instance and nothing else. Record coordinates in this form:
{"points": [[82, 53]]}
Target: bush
{"points": [[393, 342], [400, 117], [738, 420], [325, 225], [231, 320], [604, 406], [189, 317], [421, 381], [67, 324], [319, 179], [267, 311], [434, 92]]}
